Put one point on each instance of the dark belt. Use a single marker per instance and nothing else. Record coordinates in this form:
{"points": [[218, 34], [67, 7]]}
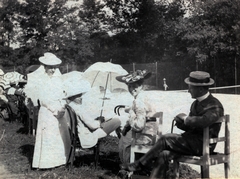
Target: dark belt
{"points": [[151, 119]]}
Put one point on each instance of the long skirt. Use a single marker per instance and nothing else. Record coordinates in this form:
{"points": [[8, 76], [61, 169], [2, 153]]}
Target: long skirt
{"points": [[52, 141], [124, 148]]}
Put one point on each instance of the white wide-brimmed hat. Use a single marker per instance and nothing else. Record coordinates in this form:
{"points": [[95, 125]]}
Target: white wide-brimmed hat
{"points": [[199, 78], [50, 59], [78, 87]]}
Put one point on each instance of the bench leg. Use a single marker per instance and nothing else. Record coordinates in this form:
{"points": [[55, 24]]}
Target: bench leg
{"points": [[205, 171], [96, 154], [226, 168], [132, 156]]}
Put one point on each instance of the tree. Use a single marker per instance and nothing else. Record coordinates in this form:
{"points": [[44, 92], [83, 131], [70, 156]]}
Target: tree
{"points": [[71, 38], [7, 20], [36, 19], [141, 28], [211, 38], [52, 26]]}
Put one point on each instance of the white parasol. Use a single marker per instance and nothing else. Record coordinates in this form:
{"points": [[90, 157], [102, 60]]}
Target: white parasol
{"points": [[103, 76]]}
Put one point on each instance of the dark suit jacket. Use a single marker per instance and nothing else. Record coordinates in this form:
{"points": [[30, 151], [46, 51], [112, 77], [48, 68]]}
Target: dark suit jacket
{"points": [[203, 114]]}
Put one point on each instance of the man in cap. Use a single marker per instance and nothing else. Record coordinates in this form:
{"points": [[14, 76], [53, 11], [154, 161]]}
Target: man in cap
{"points": [[204, 111], [90, 130]]}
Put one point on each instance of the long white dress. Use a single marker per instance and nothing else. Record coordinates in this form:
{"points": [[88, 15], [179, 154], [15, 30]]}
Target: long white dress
{"points": [[49, 150]]}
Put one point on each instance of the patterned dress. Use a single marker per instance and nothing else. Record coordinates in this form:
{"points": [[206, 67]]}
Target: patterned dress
{"points": [[141, 110]]}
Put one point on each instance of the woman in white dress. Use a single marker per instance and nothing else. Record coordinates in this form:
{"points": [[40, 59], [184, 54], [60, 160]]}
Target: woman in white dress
{"points": [[49, 150]]}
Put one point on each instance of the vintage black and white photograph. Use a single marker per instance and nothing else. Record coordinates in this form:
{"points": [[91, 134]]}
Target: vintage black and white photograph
{"points": [[119, 89]]}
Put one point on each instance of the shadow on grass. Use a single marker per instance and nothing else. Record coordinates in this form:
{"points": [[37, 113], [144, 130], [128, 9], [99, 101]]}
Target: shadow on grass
{"points": [[106, 162], [23, 130], [27, 151], [109, 163]]}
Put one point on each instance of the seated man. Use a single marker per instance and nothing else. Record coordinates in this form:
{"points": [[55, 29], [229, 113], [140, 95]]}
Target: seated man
{"points": [[89, 129], [204, 111]]}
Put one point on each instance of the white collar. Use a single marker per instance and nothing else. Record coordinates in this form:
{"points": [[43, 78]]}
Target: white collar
{"points": [[201, 98]]}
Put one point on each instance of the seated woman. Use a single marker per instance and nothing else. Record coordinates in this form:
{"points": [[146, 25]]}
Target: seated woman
{"points": [[89, 129], [140, 113], [12, 93]]}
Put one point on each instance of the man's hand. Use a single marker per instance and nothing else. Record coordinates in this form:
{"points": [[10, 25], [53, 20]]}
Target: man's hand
{"points": [[101, 119], [20, 92], [180, 118]]}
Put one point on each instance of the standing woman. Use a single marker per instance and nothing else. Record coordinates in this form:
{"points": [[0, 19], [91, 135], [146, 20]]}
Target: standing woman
{"points": [[140, 114], [49, 151]]}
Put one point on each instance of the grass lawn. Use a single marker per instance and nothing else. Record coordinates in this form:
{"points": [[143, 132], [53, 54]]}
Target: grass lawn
{"points": [[16, 152]]}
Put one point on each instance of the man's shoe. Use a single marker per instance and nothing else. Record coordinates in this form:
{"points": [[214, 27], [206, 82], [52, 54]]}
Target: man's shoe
{"points": [[135, 166]]}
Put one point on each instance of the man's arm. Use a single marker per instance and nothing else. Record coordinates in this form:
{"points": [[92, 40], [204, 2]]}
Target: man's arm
{"points": [[206, 119], [86, 116], [179, 119]]}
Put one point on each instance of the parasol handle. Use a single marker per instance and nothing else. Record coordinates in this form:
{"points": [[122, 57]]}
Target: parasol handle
{"points": [[95, 78], [105, 90]]}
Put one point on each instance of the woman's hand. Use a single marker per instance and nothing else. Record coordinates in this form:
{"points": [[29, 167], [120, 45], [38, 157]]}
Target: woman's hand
{"points": [[60, 113], [127, 109], [101, 119], [126, 128]]}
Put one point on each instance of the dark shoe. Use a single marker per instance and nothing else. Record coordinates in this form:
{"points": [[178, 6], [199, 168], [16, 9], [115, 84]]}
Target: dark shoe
{"points": [[135, 166], [123, 174]]}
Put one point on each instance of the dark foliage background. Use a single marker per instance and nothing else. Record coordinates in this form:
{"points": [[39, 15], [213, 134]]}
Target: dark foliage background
{"points": [[191, 35]]}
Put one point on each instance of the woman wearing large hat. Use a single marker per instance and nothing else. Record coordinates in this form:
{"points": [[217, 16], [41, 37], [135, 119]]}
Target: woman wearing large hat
{"points": [[139, 114], [49, 148]]}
